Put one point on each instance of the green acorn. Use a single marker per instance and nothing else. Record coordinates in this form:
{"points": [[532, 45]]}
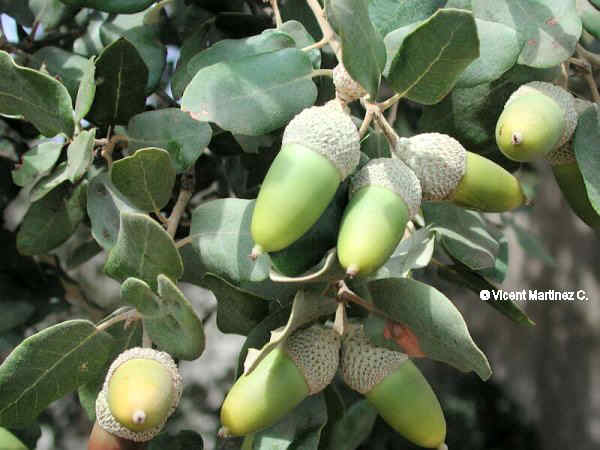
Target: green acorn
{"points": [[320, 148], [384, 195], [395, 387], [537, 118], [569, 178], [9, 441], [346, 88], [448, 172], [304, 365], [141, 390]]}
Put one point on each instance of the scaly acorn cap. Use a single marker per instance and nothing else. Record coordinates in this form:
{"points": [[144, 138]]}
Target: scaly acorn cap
{"points": [[327, 131], [142, 413], [438, 160], [564, 99], [565, 153], [303, 365], [347, 89], [391, 174]]}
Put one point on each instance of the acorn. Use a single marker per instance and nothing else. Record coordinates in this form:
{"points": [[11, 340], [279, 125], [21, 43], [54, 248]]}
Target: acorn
{"points": [[9, 441], [141, 390], [569, 178], [346, 88], [448, 172], [384, 195], [536, 119], [320, 149], [395, 387], [301, 366]]}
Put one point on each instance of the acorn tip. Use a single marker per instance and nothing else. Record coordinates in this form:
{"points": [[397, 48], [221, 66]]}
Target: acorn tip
{"points": [[139, 417], [352, 271], [443, 446], [257, 250], [516, 138]]}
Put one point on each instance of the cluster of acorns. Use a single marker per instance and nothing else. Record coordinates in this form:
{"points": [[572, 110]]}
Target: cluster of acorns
{"points": [[307, 362]]}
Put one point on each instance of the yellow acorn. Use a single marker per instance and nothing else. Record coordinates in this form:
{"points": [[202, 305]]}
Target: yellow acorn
{"points": [[384, 195], [304, 365], [537, 118], [141, 390], [448, 172], [320, 148], [347, 89], [395, 387]]}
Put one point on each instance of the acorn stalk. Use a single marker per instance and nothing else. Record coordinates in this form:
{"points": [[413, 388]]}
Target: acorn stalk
{"points": [[384, 195], [303, 365], [320, 148], [448, 172], [141, 390], [536, 119], [395, 387]]}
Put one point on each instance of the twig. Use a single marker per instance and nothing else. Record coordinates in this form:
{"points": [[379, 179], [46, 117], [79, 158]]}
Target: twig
{"points": [[183, 242], [28, 43], [387, 130], [364, 127], [188, 183], [563, 80], [589, 78], [276, 13], [389, 102], [322, 73], [127, 316], [166, 99], [328, 33], [393, 114], [588, 75], [593, 58], [109, 147], [322, 43], [346, 294]]}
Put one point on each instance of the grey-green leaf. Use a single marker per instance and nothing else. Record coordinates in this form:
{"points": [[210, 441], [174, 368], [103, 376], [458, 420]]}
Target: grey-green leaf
{"points": [[86, 91], [172, 130], [547, 30], [354, 427], [253, 95], [439, 327], [143, 250], [67, 67], [145, 178], [425, 65], [113, 6], [47, 366], [389, 15], [37, 97], [49, 182], [586, 152], [121, 77], [80, 154], [52, 220], [363, 50], [14, 313], [221, 237], [37, 161]]}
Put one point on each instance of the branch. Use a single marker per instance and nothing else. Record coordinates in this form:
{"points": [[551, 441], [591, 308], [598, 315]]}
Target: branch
{"points": [[276, 13], [188, 183], [387, 130], [126, 316], [328, 33]]}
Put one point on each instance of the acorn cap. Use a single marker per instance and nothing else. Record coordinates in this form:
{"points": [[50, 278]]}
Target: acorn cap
{"points": [[565, 154], [327, 131], [391, 174], [564, 99], [104, 416], [364, 365], [315, 351], [438, 160], [347, 89]]}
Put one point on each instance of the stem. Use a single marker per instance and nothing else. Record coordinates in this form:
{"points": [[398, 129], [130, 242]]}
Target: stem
{"points": [[322, 73], [389, 102], [322, 43], [592, 58], [183, 242], [563, 80], [109, 147], [389, 133], [188, 182], [364, 127], [276, 13], [340, 325], [346, 294], [393, 114], [588, 75], [328, 33], [128, 316], [146, 341]]}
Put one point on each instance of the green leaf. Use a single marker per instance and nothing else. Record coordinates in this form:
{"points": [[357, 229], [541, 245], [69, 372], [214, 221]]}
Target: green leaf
{"points": [[354, 427], [82, 254], [46, 184], [51, 13], [80, 154], [86, 91], [37, 97], [532, 246], [221, 237], [302, 38], [143, 250], [145, 178], [363, 50], [439, 327], [104, 207], [90, 44], [548, 30], [497, 273], [253, 95], [238, 311], [425, 65], [52, 220], [172, 130], [308, 306], [121, 77], [169, 318], [19, 11], [300, 429], [234, 49], [498, 51], [113, 6], [14, 313], [477, 283], [67, 67], [37, 161], [184, 440], [47, 366], [463, 233], [9, 441], [586, 152], [388, 15], [125, 336], [412, 253]]}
